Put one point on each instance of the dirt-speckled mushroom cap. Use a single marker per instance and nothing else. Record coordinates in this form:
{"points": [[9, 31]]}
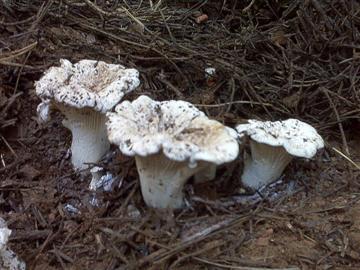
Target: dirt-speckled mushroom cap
{"points": [[298, 138], [88, 83], [178, 129]]}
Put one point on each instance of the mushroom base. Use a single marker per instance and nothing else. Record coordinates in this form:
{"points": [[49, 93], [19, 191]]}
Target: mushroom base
{"points": [[265, 165], [162, 180], [89, 138]]}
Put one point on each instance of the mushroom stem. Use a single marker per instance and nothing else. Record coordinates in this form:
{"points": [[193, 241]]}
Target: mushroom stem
{"points": [[265, 165], [162, 180], [89, 138], [206, 174]]}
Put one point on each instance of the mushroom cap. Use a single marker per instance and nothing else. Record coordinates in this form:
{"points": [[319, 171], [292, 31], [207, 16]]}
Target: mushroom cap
{"points": [[298, 138], [88, 83], [178, 129]]}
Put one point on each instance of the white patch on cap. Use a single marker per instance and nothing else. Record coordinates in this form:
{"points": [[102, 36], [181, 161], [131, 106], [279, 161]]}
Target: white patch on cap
{"points": [[88, 83]]}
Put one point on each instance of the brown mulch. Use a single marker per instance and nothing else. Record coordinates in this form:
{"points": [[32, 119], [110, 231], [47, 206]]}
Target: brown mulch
{"points": [[273, 60]]}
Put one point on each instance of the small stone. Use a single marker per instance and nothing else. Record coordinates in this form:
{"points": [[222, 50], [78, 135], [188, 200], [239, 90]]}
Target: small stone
{"points": [[133, 212]]}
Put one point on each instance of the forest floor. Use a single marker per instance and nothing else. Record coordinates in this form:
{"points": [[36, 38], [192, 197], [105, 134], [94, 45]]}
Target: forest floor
{"points": [[273, 59]]}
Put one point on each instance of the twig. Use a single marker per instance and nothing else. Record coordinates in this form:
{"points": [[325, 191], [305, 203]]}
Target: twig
{"points": [[96, 8], [19, 52], [20, 71], [11, 165], [58, 257], [343, 137], [208, 247], [209, 230], [18, 22], [172, 87], [2, 160], [226, 266], [125, 203], [232, 87], [346, 157], [162, 255], [8, 146], [233, 102], [248, 6]]}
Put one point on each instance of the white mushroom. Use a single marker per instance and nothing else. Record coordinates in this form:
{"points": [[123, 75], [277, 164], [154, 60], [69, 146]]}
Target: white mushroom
{"points": [[206, 174], [171, 141], [4, 235], [84, 92], [273, 145], [209, 172], [8, 259]]}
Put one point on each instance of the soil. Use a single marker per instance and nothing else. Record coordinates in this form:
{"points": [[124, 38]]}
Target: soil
{"points": [[309, 220]]}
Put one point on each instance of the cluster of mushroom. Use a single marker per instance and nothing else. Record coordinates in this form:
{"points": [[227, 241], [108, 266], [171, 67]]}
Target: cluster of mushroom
{"points": [[170, 140]]}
